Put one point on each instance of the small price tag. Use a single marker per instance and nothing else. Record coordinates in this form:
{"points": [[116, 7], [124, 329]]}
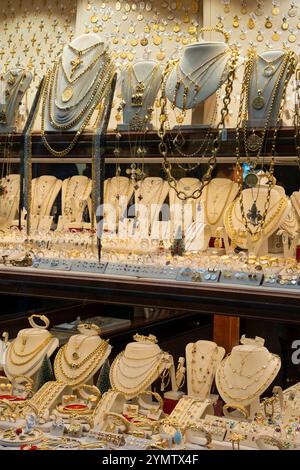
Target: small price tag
{"points": [[224, 134]]}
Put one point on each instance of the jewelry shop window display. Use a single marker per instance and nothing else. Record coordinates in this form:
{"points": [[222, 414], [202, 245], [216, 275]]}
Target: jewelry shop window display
{"points": [[81, 357], [25, 354]]}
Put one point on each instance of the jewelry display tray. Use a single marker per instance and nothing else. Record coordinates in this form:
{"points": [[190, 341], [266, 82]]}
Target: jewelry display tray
{"points": [[177, 274]]}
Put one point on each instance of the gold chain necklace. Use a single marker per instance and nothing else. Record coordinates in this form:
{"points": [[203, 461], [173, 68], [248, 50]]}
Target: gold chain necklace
{"points": [[77, 365], [75, 63], [214, 222], [11, 350], [163, 146], [206, 374]]}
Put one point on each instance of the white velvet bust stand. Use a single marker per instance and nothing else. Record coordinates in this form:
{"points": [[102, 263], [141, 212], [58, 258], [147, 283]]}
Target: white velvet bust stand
{"points": [[42, 202], [34, 337], [12, 103], [149, 198], [76, 192], [193, 56], [9, 202], [82, 42], [142, 70], [184, 213], [249, 359], [88, 344], [259, 247], [136, 351], [257, 118], [216, 197], [204, 349]]}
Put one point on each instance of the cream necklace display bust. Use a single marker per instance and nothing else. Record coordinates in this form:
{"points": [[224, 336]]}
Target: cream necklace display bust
{"points": [[149, 198], [76, 192], [26, 353], [13, 86], [184, 213], [138, 366], [140, 83], [247, 372], [267, 67], [45, 190], [202, 70], [118, 192], [80, 64], [202, 359], [9, 200], [278, 210], [82, 356], [216, 197]]}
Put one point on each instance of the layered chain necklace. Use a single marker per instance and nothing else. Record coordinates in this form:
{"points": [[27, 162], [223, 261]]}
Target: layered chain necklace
{"points": [[164, 146], [214, 198], [255, 143], [203, 367]]}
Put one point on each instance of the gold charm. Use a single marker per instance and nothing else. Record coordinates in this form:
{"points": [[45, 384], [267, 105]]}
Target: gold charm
{"points": [[176, 28], [235, 22], [94, 18], [275, 36], [161, 55], [118, 6], [259, 37], [275, 9], [67, 94], [284, 25], [258, 102], [157, 40], [244, 9], [268, 23], [269, 70], [254, 142], [130, 56], [243, 35], [251, 23], [144, 42], [226, 8], [292, 38], [147, 29], [134, 42]]}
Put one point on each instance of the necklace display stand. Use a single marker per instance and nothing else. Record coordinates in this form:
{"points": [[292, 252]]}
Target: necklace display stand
{"points": [[26, 353], [184, 213], [13, 86], [149, 198], [202, 360], [216, 197], [138, 366], [9, 201], [76, 192], [278, 211], [244, 375], [81, 358], [194, 57], [266, 71], [140, 85], [119, 191]]}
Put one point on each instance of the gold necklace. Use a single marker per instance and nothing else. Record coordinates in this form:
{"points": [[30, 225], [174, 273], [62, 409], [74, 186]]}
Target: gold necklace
{"points": [[163, 147], [208, 373], [77, 365], [79, 53], [270, 68], [214, 222], [11, 350]]}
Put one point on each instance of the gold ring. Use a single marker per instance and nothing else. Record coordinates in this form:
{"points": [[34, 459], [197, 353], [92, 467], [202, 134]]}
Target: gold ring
{"points": [[264, 441], [42, 318], [202, 430]]}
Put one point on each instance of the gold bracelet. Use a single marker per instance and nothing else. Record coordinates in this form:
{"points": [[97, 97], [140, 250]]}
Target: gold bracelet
{"points": [[93, 397], [233, 406], [140, 338], [118, 417], [202, 430], [264, 440], [152, 394], [87, 328], [226, 34], [43, 318]]}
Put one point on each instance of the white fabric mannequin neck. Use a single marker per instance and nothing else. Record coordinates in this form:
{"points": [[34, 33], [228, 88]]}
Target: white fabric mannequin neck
{"points": [[295, 198], [246, 373], [150, 196], [82, 42], [290, 223], [52, 186], [33, 338], [186, 210], [194, 56], [142, 69], [9, 202], [12, 103], [256, 117], [216, 197], [75, 191], [119, 191], [206, 357], [249, 196]]}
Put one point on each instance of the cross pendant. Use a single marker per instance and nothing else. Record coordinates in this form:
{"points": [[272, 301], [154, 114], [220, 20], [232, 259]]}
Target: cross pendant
{"points": [[75, 64]]}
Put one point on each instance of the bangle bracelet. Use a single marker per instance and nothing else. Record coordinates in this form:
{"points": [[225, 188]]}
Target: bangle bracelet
{"points": [[94, 395], [42, 318], [146, 405], [201, 430], [89, 329], [264, 442], [118, 418], [239, 408]]}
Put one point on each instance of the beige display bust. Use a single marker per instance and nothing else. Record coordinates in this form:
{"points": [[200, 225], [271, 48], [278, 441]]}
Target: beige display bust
{"points": [[277, 212], [149, 198], [216, 197], [184, 213], [76, 192], [246, 373], [45, 190], [118, 193], [9, 200], [138, 366], [26, 353], [202, 360], [295, 198], [81, 357]]}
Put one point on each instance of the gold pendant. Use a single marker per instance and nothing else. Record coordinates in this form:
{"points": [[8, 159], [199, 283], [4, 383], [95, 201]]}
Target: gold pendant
{"points": [[251, 23], [259, 37], [254, 142], [251, 180], [275, 11], [258, 102], [67, 94], [269, 71], [75, 355], [137, 100], [292, 38], [94, 19], [285, 25], [235, 22], [268, 24], [275, 36]]}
